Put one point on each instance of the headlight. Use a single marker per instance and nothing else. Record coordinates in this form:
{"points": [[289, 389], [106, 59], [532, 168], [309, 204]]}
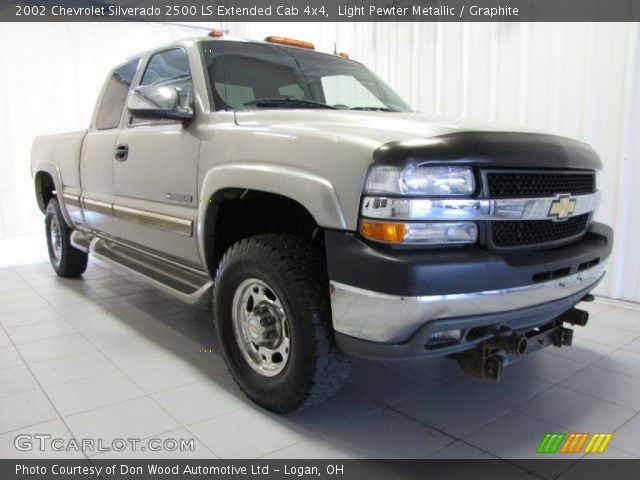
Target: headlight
{"points": [[430, 233], [429, 181]]}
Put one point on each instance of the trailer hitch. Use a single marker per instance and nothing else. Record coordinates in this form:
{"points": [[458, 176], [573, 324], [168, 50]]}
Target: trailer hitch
{"points": [[488, 359]]}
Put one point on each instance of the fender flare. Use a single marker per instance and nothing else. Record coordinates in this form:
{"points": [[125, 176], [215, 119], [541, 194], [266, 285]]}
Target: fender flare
{"points": [[313, 192], [54, 171]]}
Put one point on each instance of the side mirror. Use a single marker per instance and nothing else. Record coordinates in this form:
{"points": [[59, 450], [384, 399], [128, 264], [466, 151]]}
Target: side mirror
{"points": [[156, 101]]}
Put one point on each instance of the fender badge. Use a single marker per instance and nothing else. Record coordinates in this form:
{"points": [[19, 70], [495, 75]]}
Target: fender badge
{"points": [[179, 197]]}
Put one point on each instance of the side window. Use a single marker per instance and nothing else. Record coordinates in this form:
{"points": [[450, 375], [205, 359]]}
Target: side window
{"points": [[115, 95], [170, 68]]}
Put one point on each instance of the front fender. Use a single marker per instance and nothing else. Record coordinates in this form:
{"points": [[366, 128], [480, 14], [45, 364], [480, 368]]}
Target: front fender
{"points": [[313, 192]]}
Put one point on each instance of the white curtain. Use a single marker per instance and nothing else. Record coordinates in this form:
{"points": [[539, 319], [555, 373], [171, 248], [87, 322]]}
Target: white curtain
{"points": [[50, 76], [575, 79]]}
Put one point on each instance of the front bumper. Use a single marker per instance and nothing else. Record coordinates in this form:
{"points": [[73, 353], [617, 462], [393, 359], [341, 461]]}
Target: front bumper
{"points": [[389, 303]]}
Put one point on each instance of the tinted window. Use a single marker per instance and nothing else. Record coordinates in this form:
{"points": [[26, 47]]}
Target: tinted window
{"points": [[235, 95], [346, 91], [115, 95], [169, 68], [240, 72]]}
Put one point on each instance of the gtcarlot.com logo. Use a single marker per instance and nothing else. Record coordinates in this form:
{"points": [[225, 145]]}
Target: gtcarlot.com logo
{"points": [[574, 443], [45, 442]]}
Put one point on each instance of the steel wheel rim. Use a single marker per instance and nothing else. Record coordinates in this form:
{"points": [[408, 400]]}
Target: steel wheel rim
{"points": [[260, 327], [55, 236]]}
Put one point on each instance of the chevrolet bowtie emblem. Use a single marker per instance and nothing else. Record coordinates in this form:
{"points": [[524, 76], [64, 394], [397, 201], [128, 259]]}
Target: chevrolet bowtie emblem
{"points": [[562, 207]]}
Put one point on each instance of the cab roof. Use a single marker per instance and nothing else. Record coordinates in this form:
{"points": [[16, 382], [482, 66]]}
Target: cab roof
{"points": [[187, 42]]}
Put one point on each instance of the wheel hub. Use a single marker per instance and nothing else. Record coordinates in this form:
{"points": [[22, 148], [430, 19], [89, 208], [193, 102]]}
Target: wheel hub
{"points": [[255, 330], [260, 327], [55, 236], [264, 325]]}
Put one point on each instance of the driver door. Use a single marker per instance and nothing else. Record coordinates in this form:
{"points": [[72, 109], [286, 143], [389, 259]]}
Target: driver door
{"points": [[156, 199]]}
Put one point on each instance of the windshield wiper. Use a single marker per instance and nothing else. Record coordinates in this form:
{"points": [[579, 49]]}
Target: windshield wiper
{"points": [[288, 101], [374, 109]]}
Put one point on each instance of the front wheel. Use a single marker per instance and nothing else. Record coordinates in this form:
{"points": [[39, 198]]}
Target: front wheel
{"points": [[66, 260], [273, 321]]}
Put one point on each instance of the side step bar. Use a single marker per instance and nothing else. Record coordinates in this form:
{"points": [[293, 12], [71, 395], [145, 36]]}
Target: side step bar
{"points": [[191, 286]]}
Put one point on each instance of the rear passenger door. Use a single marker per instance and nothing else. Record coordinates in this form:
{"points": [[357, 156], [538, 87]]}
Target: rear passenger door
{"points": [[99, 149], [156, 185]]}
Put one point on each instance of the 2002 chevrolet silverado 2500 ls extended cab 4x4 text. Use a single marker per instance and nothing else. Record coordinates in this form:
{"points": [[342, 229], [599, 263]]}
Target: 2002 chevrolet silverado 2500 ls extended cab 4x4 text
{"points": [[321, 217]]}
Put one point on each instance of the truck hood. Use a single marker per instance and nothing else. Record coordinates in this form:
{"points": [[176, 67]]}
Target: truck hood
{"points": [[415, 138], [377, 127]]}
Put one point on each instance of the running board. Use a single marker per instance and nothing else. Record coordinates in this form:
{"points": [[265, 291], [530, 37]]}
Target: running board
{"points": [[81, 240], [187, 284]]}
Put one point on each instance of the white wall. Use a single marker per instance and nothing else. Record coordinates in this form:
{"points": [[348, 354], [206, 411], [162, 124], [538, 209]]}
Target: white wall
{"points": [[580, 80], [50, 76]]}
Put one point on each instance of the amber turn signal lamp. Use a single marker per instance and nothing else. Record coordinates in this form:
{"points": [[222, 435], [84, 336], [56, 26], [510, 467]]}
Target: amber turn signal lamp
{"points": [[383, 232], [290, 41]]}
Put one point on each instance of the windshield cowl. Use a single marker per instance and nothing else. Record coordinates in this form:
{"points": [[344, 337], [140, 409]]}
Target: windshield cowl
{"points": [[287, 103]]}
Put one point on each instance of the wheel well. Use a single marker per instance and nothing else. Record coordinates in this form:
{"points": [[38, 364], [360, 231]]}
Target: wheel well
{"points": [[234, 214], [45, 189]]}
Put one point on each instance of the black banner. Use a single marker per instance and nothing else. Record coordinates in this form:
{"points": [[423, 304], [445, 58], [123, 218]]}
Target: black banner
{"points": [[321, 10], [308, 469]]}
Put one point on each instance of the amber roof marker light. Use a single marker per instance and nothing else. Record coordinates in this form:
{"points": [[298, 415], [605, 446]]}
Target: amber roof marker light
{"points": [[216, 33], [290, 42]]}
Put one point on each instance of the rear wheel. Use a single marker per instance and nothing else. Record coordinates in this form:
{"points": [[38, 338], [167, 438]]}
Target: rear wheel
{"points": [[273, 321], [66, 260]]}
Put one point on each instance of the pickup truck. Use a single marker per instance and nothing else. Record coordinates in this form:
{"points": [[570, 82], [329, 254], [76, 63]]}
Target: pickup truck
{"points": [[320, 218]]}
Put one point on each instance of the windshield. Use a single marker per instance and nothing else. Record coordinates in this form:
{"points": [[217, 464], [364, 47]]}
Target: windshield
{"points": [[246, 75]]}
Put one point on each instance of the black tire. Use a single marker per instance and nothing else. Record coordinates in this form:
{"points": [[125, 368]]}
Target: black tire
{"points": [[66, 260], [294, 271]]}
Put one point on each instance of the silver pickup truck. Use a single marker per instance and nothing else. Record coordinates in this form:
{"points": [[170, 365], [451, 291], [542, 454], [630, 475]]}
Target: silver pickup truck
{"points": [[320, 217]]}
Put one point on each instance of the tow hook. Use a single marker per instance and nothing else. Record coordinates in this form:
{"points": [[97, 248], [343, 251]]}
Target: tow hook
{"points": [[575, 316], [562, 337], [481, 362]]}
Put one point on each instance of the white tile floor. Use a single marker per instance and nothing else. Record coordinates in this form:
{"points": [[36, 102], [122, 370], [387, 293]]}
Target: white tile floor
{"points": [[106, 356]]}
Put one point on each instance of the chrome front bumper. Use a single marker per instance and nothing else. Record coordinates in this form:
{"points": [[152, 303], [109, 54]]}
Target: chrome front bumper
{"points": [[382, 318]]}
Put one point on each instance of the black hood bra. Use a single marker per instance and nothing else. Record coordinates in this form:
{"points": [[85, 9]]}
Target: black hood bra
{"points": [[491, 150]]}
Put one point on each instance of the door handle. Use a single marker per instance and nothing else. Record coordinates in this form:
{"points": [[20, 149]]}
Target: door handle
{"points": [[122, 151]]}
